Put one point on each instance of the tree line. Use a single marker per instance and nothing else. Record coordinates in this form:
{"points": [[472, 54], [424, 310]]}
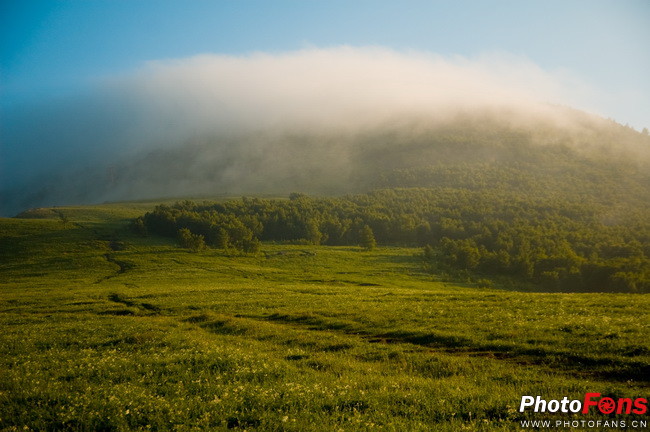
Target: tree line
{"points": [[557, 243]]}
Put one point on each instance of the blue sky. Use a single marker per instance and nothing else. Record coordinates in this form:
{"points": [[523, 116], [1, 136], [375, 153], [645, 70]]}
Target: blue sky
{"points": [[55, 47]]}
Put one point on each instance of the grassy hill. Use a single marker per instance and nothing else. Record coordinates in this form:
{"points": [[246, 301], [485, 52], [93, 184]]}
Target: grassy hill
{"points": [[552, 151], [104, 329]]}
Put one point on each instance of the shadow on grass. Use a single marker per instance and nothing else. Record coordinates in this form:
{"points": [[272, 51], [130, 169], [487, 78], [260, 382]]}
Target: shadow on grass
{"points": [[610, 368]]}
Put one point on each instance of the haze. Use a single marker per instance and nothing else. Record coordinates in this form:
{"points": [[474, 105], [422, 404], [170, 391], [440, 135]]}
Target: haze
{"points": [[169, 103], [82, 101]]}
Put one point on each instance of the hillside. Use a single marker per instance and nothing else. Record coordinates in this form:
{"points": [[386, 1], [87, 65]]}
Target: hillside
{"points": [[563, 204], [556, 197], [551, 151]]}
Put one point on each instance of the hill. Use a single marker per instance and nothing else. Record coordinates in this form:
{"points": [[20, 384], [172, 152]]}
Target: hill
{"points": [[550, 150], [561, 201], [554, 197]]}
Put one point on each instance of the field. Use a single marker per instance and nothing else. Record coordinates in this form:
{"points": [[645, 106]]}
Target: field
{"points": [[104, 330]]}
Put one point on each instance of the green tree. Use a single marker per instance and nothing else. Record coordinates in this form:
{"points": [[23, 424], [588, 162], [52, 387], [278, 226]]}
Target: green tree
{"points": [[218, 237], [222, 240], [313, 234], [188, 240], [139, 227], [429, 253], [367, 238], [239, 234], [251, 245]]}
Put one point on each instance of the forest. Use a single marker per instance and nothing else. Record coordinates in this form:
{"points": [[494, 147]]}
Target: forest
{"points": [[560, 209], [554, 243]]}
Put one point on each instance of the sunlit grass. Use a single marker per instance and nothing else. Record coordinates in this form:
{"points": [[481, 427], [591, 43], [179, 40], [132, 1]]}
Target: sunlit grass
{"points": [[104, 330]]}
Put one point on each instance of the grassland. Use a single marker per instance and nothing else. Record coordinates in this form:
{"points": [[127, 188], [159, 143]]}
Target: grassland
{"points": [[103, 330]]}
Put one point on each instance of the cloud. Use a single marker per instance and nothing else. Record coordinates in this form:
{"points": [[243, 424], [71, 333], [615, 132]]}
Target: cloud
{"points": [[324, 87], [165, 104]]}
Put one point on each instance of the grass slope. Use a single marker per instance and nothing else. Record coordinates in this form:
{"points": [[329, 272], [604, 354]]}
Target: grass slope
{"points": [[103, 330]]}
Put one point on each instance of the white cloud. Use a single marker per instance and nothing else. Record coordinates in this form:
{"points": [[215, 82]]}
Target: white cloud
{"points": [[332, 87]]}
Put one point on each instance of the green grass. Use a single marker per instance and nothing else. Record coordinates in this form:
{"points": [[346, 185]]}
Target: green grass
{"points": [[104, 330]]}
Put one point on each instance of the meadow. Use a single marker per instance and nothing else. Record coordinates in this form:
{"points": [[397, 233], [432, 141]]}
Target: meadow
{"points": [[105, 330]]}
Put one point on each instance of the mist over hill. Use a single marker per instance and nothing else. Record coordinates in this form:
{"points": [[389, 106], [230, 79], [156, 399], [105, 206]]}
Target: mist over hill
{"points": [[569, 153], [323, 121]]}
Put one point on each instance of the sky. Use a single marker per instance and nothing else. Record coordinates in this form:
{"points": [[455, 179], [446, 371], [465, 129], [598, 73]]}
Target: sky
{"points": [[51, 48], [85, 78]]}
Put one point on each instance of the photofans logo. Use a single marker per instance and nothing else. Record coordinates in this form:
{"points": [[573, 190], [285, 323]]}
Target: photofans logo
{"points": [[592, 403]]}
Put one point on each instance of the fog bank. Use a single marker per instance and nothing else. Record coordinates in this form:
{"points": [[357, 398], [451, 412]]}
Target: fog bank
{"points": [[263, 122]]}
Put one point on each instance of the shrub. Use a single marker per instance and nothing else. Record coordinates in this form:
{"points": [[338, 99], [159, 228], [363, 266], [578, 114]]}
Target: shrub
{"points": [[188, 240]]}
